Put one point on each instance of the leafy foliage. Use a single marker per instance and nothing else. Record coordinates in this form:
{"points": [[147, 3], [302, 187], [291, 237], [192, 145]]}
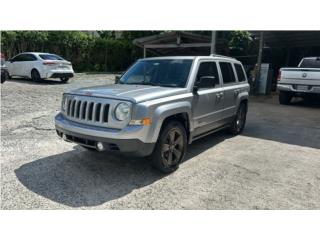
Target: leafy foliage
{"points": [[109, 51]]}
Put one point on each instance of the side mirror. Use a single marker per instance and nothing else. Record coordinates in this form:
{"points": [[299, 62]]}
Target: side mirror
{"points": [[117, 79]]}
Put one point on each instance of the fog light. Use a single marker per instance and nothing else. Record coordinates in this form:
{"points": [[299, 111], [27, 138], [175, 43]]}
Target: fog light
{"points": [[100, 146], [64, 137]]}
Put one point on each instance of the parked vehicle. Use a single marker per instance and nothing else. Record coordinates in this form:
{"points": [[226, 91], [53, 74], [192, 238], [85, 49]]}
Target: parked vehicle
{"points": [[4, 70], [303, 81], [39, 66], [159, 106]]}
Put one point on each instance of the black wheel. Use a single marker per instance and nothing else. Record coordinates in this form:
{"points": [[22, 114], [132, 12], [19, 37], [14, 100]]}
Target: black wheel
{"points": [[239, 121], [64, 79], [4, 77], [170, 148], [285, 97], [35, 76]]}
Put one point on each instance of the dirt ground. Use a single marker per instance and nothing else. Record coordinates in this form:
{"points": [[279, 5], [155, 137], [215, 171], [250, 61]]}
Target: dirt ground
{"points": [[274, 164]]}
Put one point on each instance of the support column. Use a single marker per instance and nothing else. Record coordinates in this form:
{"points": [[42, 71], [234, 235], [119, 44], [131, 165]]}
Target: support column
{"points": [[259, 61], [213, 42], [144, 52]]}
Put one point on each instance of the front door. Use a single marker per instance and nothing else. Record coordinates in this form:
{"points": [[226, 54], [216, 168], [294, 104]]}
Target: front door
{"points": [[208, 100]]}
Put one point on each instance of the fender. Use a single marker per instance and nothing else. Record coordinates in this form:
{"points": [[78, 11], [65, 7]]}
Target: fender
{"points": [[167, 110], [242, 96]]}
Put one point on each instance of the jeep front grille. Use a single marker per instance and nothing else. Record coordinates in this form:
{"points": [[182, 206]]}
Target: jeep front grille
{"points": [[86, 110]]}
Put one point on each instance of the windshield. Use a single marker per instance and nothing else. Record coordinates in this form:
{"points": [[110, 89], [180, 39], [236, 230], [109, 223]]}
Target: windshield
{"points": [[160, 72], [50, 57], [310, 63]]}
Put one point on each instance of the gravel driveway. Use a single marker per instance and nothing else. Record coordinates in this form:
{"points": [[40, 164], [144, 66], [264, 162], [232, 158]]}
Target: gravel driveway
{"points": [[274, 164]]}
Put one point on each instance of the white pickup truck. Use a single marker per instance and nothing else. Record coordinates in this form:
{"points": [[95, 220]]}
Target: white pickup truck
{"points": [[302, 81]]}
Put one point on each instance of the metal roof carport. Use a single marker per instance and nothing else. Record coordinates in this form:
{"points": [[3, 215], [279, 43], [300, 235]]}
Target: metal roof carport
{"points": [[177, 43]]}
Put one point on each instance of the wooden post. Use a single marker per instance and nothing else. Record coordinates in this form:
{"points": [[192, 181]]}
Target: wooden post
{"points": [[213, 42], [259, 61]]}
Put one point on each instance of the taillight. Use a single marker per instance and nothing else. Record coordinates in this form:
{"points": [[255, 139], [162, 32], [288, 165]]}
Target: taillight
{"points": [[49, 63], [279, 75]]}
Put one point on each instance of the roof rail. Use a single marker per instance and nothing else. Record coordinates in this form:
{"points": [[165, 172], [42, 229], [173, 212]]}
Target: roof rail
{"points": [[217, 55]]}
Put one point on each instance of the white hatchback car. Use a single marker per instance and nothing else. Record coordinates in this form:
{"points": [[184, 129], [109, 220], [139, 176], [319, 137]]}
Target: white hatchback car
{"points": [[38, 66]]}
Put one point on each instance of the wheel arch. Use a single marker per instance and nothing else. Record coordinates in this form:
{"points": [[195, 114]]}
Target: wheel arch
{"points": [[180, 111], [32, 69]]}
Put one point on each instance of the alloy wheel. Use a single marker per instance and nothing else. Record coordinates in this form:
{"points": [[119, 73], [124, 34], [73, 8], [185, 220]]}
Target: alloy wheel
{"points": [[172, 149]]}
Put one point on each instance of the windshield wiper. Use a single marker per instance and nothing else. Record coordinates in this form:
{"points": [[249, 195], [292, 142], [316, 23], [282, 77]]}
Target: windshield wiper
{"points": [[141, 83]]}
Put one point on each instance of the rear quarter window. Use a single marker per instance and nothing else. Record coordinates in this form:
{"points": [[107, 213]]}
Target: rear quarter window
{"points": [[240, 73], [50, 57]]}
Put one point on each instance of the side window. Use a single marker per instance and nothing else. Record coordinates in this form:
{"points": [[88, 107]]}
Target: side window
{"points": [[17, 58], [227, 72], [30, 57], [208, 69], [240, 72], [23, 57]]}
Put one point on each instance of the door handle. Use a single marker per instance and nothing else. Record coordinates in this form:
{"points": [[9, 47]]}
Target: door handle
{"points": [[219, 96]]}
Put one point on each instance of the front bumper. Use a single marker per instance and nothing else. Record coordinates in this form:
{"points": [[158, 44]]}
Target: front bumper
{"points": [[293, 88], [113, 140]]}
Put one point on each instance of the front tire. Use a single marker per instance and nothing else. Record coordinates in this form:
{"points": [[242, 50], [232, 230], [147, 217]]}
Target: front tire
{"points": [[170, 148], [35, 76], [239, 121], [285, 97]]}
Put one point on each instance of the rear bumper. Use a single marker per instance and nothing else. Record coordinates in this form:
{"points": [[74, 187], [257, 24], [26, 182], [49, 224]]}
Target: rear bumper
{"points": [[293, 89], [89, 137], [60, 74]]}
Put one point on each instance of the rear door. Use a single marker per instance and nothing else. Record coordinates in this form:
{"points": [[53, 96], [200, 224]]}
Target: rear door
{"points": [[28, 64], [207, 102], [230, 89]]}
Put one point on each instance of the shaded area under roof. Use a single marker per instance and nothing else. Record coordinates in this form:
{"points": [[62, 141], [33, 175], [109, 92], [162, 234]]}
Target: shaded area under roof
{"points": [[290, 39]]}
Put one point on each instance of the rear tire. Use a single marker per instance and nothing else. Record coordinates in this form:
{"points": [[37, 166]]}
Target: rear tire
{"points": [[170, 148], [64, 79], [35, 75], [285, 97], [239, 121]]}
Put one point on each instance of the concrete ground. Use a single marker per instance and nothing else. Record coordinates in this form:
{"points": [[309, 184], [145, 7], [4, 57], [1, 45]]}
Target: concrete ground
{"points": [[274, 164]]}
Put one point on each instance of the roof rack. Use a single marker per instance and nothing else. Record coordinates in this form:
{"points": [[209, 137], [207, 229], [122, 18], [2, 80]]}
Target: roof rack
{"points": [[217, 55]]}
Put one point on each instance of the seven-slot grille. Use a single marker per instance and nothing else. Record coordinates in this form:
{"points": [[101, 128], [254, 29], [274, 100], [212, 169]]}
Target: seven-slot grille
{"points": [[86, 110]]}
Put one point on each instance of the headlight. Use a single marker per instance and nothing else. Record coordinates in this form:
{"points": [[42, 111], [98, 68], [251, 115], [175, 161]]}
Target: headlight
{"points": [[64, 103], [122, 111]]}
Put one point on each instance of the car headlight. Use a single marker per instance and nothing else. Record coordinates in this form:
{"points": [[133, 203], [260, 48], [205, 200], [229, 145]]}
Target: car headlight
{"points": [[122, 111]]}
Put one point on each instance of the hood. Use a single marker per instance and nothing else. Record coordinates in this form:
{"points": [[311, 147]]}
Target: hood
{"points": [[133, 93]]}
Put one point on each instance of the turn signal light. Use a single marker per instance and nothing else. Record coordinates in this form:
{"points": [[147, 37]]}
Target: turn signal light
{"points": [[279, 76], [143, 122]]}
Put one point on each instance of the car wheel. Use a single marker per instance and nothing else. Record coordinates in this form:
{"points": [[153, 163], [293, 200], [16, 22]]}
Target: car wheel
{"points": [[170, 148], [285, 97], [239, 121], [3, 77], [35, 76], [64, 79]]}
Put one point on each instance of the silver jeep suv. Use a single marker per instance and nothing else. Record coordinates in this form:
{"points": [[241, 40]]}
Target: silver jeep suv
{"points": [[158, 107]]}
